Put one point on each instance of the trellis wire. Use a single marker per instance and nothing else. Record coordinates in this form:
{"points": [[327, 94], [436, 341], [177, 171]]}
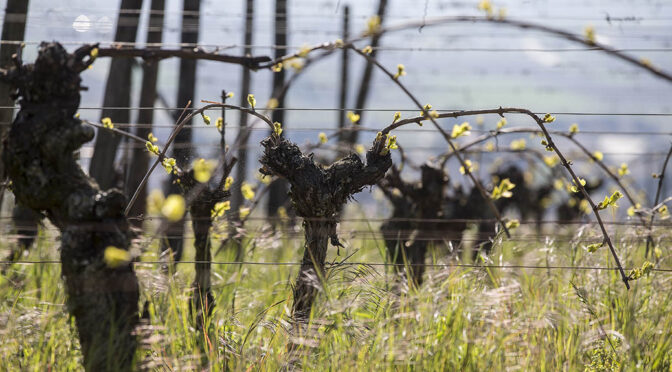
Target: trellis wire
{"points": [[377, 264], [439, 110], [327, 127], [632, 222], [382, 48], [336, 14]]}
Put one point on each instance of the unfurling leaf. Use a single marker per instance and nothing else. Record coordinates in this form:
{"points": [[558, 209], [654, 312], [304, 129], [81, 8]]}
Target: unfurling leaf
{"points": [[548, 118], [228, 183], [251, 100], [247, 191], [503, 190], [206, 118], [277, 129], [354, 118], [203, 169], [173, 208], [220, 208], [460, 130], [154, 149], [115, 257], [107, 123], [593, 247]]}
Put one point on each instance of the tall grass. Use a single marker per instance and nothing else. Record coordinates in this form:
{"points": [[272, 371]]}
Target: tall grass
{"points": [[469, 319]]}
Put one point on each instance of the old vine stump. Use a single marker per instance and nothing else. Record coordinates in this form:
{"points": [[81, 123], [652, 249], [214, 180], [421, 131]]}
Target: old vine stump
{"points": [[39, 158], [318, 194], [203, 199], [414, 224]]}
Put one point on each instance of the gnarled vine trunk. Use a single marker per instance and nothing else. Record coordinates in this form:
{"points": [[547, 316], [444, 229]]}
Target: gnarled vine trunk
{"points": [[39, 158], [318, 193], [311, 273], [417, 206], [203, 202]]}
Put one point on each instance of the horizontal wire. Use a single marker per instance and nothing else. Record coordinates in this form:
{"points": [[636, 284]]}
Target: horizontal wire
{"points": [[135, 17], [218, 47], [359, 128], [336, 33], [578, 156], [379, 264], [632, 223], [337, 14], [503, 149], [365, 235], [408, 235], [573, 113]]}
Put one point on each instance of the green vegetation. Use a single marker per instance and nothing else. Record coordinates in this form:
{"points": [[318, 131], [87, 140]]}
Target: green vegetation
{"points": [[462, 318]]}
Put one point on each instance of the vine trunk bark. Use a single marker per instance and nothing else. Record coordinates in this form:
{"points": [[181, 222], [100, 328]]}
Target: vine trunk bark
{"points": [[311, 273], [318, 193], [102, 291]]}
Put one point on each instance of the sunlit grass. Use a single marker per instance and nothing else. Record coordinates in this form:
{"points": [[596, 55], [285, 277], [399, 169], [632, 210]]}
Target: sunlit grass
{"points": [[460, 319]]}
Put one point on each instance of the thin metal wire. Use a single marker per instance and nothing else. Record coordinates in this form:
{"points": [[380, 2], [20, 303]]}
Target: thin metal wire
{"points": [[191, 26], [335, 15], [219, 47], [374, 237], [573, 113], [580, 156], [379, 264], [632, 222], [361, 128]]}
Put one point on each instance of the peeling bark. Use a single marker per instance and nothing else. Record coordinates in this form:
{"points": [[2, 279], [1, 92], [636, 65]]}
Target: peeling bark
{"points": [[39, 158], [318, 193]]}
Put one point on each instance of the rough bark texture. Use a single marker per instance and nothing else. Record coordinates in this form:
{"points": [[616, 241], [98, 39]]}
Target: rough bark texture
{"points": [[117, 94], [13, 28], [26, 222], [204, 199], [40, 161], [318, 193], [417, 208], [140, 157]]}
